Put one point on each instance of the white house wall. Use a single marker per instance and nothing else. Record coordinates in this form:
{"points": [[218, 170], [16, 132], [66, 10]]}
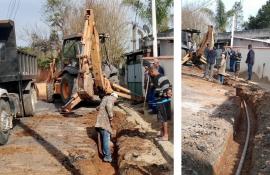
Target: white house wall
{"points": [[262, 56], [166, 48]]}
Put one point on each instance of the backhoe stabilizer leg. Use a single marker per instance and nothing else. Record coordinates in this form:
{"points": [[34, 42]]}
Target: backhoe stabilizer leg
{"points": [[71, 103]]}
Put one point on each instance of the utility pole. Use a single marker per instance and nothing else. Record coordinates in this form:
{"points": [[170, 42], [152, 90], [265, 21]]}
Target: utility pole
{"points": [[134, 36], [232, 35], [154, 24]]}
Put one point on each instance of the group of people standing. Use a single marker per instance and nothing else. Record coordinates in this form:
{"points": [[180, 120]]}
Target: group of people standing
{"points": [[234, 57]]}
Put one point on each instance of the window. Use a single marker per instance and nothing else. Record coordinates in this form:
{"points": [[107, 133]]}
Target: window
{"points": [[2, 51]]}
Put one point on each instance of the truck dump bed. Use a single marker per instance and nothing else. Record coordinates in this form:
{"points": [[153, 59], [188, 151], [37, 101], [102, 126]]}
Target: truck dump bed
{"points": [[14, 65]]}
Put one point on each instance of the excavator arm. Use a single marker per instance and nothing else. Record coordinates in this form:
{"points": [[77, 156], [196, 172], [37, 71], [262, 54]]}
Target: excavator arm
{"points": [[90, 66], [208, 38]]}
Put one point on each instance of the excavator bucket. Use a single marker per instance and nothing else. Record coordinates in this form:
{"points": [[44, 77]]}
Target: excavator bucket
{"points": [[42, 91]]}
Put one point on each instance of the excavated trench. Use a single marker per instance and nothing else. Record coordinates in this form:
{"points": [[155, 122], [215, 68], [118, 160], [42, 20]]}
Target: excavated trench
{"points": [[134, 152], [68, 145], [228, 159], [227, 162], [257, 159], [233, 149]]}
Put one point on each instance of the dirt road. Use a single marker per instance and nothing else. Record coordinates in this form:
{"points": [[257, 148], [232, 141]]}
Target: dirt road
{"points": [[208, 114], [50, 143]]}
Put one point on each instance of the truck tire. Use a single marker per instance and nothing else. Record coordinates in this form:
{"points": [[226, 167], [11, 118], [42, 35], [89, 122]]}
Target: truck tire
{"points": [[29, 101], [68, 87], [4, 110], [50, 92]]}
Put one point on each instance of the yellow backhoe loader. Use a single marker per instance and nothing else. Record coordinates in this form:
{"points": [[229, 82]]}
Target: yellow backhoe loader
{"points": [[81, 77], [198, 57]]}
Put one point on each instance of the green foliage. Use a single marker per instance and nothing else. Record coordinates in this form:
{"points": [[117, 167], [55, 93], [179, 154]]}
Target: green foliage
{"points": [[144, 10], [221, 16], [261, 20], [43, 59], [55, 11], [237, 10]]}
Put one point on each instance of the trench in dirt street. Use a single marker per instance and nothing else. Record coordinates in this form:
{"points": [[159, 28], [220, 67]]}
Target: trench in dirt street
{"points": [[50, 143], [234, 141], [230, 159]]}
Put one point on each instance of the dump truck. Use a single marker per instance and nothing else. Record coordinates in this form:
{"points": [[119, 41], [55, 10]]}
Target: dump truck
{"points": [[18, 71], [81, 77]]}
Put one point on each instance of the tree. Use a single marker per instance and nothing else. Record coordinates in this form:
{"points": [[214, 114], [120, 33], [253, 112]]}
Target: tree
{"points": [[144, 10], [261, 20], [56, 14], [41, 45], [237, 9], [196, 16], [66, 17], [221, 17]]}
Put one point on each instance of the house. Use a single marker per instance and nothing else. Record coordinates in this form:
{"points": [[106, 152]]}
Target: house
{"points": [[261, 47], [134, 73]]}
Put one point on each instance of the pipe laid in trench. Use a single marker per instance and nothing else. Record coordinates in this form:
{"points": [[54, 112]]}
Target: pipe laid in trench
{"points": [[240, 165]]}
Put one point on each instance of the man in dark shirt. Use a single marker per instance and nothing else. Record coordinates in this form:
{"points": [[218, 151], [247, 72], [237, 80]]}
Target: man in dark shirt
{"points": [[237, 63], [163, 94], [159, 68], [211, 61], [232, 55], [151, 93], [250, 61]]}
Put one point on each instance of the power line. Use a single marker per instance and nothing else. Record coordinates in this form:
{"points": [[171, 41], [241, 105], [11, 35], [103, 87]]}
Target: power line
{"points": [[13, 8], [17, 9], [9, 8], [202, 6]]}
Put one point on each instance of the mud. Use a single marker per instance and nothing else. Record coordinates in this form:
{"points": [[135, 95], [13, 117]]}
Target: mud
{"points": [[50, 143]]}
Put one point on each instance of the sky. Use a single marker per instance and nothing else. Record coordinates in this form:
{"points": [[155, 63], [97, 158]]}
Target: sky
{"points": [[250, 7], [28, 16]]}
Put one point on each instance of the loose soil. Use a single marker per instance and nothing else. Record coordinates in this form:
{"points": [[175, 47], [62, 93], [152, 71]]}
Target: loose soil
{"points": [[226, 154], [257, 96], [50, 143]]}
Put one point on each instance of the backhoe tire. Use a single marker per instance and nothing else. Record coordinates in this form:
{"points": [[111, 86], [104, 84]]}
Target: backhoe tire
{"points": [[30, 101], [4, 110], [50, 92], [68, 87]]}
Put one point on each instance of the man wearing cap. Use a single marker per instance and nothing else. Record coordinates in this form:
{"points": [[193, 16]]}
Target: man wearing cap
{"points": [[103, 124], [163, 93], [151, 93]]}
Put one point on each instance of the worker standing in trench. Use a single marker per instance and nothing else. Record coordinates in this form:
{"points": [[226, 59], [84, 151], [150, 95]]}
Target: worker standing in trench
{"points": [[163, 93], [103, 124]]}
